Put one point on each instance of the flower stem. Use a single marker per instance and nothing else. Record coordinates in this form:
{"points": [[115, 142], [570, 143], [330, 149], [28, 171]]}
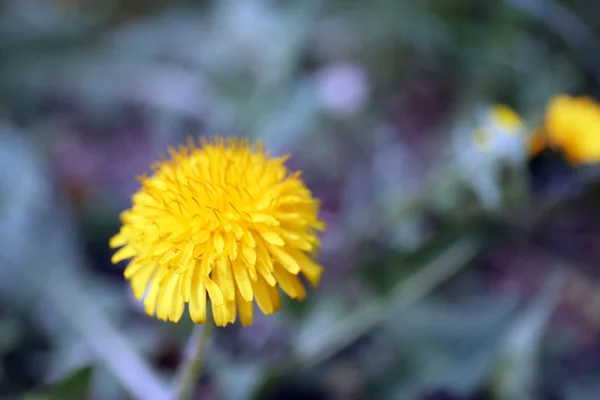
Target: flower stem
{"points": [[191, 369]]}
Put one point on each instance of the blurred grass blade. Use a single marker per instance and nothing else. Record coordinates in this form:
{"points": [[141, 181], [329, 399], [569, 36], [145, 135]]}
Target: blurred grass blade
{"points": [[516, 372], [410, 290]]}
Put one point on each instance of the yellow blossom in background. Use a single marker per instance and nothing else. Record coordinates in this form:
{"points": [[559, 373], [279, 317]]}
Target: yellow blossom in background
{"points": [[226, 220], [538, 141], [572, 124], [500, 119], [506, 119]]}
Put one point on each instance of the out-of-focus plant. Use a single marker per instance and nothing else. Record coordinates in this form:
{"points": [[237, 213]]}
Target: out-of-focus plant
{"points": [[571, 125]]}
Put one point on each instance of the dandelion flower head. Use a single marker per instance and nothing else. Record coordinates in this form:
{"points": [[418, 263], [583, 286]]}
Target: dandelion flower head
{"points": [[223, 221], [572, 124]]}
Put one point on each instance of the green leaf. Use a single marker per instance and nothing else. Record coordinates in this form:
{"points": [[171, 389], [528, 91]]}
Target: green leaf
{"points": [[73, 387]]}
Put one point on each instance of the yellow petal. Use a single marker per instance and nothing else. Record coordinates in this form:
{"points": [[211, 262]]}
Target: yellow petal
{"points": [[134, 267], [164, 275], [232, 247], [139, 281], [297, 241], [265, 257], [249, 254], [245, 309], [263, 299], [207, 260], [266, 274], [264, 219], [287, 216], [237, 231], [290, 200], [230, 305], [118, 240], [318, 225], [219, 313], [186, 255], [197, 305], [251, 269], [275, 297], [223, 313], [285, 259], [177, 304], [249, 239], [150, 300], [243, 281], [201, 237], [161, 248], [218, 242], [311, 270], [224, 278], [122, 254], [185, 284], [165, 296], [179, 235], [272, 238], [169, 256], [214, 292], [289, 283]]}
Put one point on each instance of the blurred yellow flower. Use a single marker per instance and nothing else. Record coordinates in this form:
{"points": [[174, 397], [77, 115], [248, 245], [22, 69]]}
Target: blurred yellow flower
{"points": [[224, 219], [507, 119], [538, 141], [501, 119], [572, 124]]}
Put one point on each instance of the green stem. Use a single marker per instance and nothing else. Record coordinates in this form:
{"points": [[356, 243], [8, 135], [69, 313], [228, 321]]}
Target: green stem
{"points": [[192, 367]]}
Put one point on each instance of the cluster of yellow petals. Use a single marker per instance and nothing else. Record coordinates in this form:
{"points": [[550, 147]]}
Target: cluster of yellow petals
{"points": [[224, 219], [572, 125]]}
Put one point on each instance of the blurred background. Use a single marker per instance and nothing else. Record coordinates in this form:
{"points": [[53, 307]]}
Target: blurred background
{"points": [[459, 265]]}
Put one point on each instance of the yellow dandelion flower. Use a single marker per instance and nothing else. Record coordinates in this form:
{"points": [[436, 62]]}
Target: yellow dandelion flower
{"points": [[537, 142], [226, 220], [572, 124]]}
